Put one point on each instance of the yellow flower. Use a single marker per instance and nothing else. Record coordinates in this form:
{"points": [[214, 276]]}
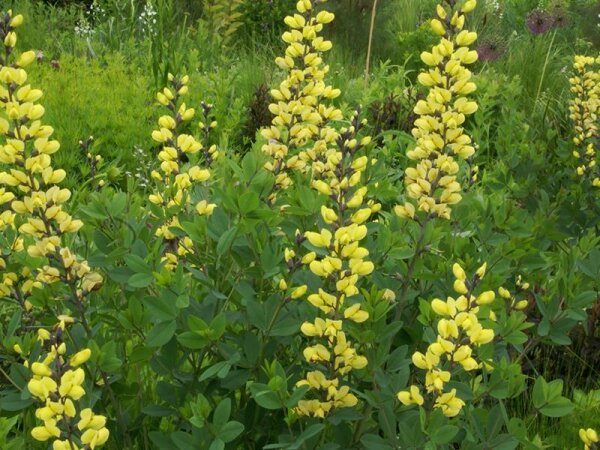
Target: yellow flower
{"points": [[411, 397], [588, 436], [81, 357], [45, 432], [449, 403]]}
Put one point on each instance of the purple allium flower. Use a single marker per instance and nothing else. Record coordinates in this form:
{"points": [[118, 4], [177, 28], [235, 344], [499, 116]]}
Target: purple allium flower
{"points": [[559, 18], [539, 21]]}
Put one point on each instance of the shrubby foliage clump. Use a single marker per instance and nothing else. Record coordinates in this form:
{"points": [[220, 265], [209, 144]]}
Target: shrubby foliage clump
{"points": [[403, 255]]}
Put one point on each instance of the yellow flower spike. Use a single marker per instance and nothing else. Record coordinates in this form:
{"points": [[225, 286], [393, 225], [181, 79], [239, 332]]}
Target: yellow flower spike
{"points": [[301, 120], [448, 82], [583, 109]]}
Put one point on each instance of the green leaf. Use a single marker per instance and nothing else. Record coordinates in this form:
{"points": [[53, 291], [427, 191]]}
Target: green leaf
{"points": [[140, 280], [286, 327], [558, 408], [221, 369], [192, 340], [217, 444], [221, 413], [161, 334], [230, 431], [161, 309], [137, 264], [14, 402], [226, 241], [248, 202], [265, 397], [296, 396], [539, 392], [374, 442], [158, 411], [444, 434]]}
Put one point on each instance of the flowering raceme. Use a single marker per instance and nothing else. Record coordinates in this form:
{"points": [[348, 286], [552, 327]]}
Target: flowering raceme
{"points": [[340, 261], [57, 383], [439, 133], [31, 201], [300, 128], [583, 108], [177, 179], [459, 333]]}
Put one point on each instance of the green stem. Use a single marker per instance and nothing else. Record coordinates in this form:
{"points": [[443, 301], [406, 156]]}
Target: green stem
{"points": [[539, 90], [370, 46], [411, 268]]}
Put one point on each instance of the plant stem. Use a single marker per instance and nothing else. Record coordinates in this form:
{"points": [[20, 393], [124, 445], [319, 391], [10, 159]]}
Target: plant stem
{"points": [[411, 268], [370, 46], [539, 90]]}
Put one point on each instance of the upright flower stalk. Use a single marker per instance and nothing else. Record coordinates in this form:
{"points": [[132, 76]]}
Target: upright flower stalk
{"points": [[460, 331], [439, 133], [340, 261], [32, 215], [184, 166], [58, 384], [30, 197], [300, 128], [583, 108]]}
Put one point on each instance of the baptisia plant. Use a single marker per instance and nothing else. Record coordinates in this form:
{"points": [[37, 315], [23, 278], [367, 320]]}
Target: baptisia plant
{"points": [[583, 109], [439, 130], [32, 201], [35, 253], [460, 331], [303, 137], [300, 128], [184, 166], [340, 261], [58, 384]]}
